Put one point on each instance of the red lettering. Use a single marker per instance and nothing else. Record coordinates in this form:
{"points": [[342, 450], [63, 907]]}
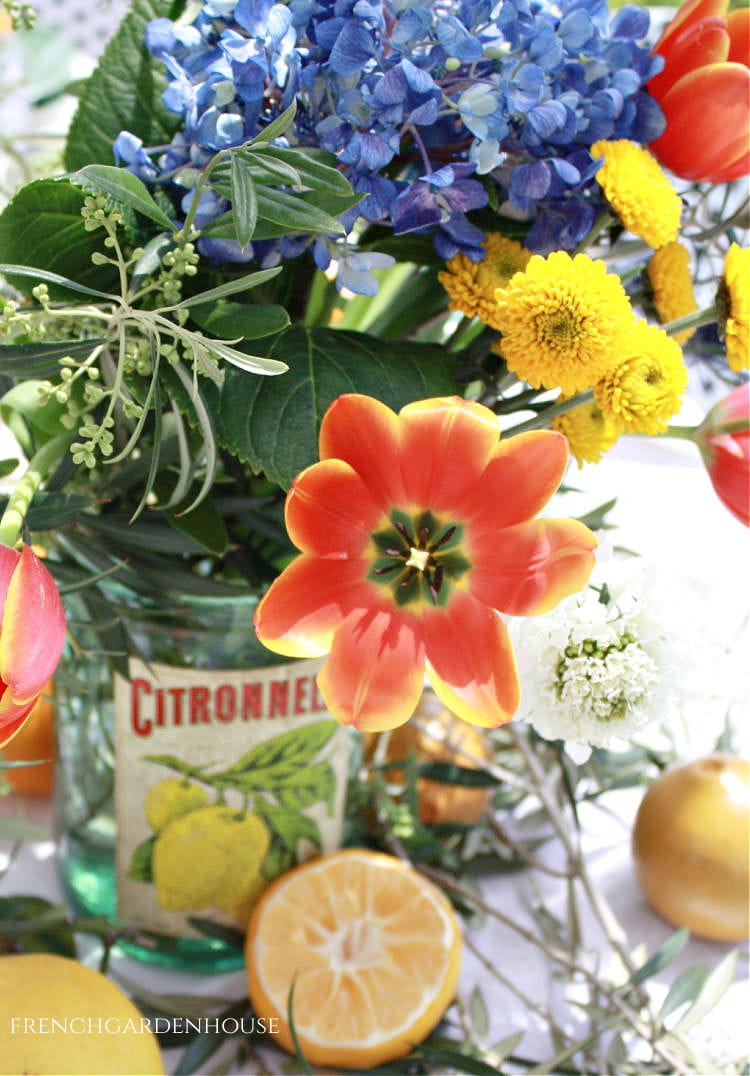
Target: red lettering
{"points": [[198, 705], [251, 701], [141, 726], [278, 702], [318, 703], [226, 703], [301, 688], [177, 694], [160, 707]]}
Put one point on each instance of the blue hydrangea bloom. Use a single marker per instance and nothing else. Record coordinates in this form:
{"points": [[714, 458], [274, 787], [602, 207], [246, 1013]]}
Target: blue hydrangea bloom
{"points": [[432, 111]]}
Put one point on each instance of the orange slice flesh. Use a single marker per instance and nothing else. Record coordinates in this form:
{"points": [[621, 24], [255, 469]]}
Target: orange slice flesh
{"points": [[373, 950]]}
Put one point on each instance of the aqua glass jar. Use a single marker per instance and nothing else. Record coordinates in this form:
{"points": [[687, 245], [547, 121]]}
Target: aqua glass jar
{"points": [[179, 795]]}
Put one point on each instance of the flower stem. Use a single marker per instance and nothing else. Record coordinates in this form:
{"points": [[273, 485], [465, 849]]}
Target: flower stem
{"points": [[692, 321], [542, 419], [39, 465]]}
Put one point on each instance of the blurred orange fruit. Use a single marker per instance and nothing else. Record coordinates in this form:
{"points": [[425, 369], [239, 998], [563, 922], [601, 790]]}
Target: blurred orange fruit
{"points": [[372, 948], [34, 740], [434, 734], [690, 846]]}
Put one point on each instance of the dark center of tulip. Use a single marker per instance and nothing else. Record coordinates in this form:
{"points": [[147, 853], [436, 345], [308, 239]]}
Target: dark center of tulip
{"points": [[417, 555]]}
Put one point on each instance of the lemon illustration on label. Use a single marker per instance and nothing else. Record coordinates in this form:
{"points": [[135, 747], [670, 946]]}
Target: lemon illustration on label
{"points": [[170, 799], [211, 858]]}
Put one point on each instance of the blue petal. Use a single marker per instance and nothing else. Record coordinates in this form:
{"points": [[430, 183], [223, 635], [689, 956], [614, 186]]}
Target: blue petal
{"points": [[632, 22], [457, 41], [352, 49]]}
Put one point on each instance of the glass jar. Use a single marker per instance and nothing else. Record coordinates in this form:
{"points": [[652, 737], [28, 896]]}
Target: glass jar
{"points": [[179, 793]]}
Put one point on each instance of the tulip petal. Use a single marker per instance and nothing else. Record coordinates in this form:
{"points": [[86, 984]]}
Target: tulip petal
{"points": [[705, 43], [8, 563], [12, 719], [329, 510], [525, 471], [707, 130], [366, 434], [688, 15], [374, 675], [33, 629], [527, 569], [299, 613], [436, 434], [738, 25], [470, 661]]}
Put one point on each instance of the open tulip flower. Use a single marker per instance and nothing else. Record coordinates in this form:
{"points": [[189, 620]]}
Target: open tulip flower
{"points": [[32, 633], [724, 442], [416, 532], [704, 91]]}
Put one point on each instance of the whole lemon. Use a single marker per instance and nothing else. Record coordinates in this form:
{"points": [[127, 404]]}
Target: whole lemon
{"points": [[171, 798], [434, 734], [59, 1018], [690, 846], [211, 858]]}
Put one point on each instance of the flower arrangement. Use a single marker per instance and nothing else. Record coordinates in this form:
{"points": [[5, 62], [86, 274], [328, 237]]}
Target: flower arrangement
{"points": [[319, 305]]}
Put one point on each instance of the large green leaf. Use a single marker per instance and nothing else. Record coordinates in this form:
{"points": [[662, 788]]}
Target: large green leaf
{"points": [[272, 423], [123, 93], [42, 227], [41, 359]]}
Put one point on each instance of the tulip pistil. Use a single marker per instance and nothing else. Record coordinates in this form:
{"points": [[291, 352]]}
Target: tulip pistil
{"points": [[425, 553]]}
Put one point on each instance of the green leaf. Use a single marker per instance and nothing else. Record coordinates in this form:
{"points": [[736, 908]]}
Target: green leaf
{"points": [[283, 753], [51, 936], [671, 948], [272, 423], [462, 1062], [296, 213], [686, 987], [41, 360], [41, 229], [123, 93], [203, 524], [290, 827], [478, 1013], [715, 986], [313, 173], [126, 188], [276, 127], [239, 320], [244, 201], [140, 864], [449, 773], [231, 287], [50, 511], [312, 784]]}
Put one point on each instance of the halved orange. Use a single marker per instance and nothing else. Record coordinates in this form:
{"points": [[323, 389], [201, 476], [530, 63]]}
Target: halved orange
{"points": [[373, 950]]}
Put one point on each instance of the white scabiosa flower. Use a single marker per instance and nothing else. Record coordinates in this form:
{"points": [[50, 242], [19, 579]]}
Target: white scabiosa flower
{"points": [[601, 665]]}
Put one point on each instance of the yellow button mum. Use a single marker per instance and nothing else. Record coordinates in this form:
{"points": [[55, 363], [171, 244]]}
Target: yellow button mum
{"points": [[737, 291], [589, 431], [562, 321], [672, 285], [638, 191], [471, 285], [646, 387]]}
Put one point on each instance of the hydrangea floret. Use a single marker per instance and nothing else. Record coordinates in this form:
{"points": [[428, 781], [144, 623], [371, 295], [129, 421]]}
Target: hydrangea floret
{"points": [[429, 112]]}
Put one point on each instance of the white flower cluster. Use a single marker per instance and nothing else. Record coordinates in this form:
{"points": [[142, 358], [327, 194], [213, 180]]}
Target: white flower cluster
{"points": [[601, 665]]}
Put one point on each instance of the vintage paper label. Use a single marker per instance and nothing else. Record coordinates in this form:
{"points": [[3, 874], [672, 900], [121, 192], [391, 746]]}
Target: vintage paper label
{"points": [[224, 779]]}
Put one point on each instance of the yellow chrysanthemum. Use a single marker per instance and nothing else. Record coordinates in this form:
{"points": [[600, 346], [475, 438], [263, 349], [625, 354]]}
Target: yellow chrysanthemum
{"points": [[638, 191], [562, 319], [645, 389], [672, 285], [737, 288], [589, 431], [472, 285]]}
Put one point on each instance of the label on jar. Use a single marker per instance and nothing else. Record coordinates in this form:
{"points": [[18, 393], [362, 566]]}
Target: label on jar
{"points": [[224, 780]]}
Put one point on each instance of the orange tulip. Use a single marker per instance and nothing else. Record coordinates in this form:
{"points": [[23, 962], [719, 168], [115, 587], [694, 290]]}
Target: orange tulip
{"points": [[704, 90], [32, 633], [724, 442], [416, 531]]}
